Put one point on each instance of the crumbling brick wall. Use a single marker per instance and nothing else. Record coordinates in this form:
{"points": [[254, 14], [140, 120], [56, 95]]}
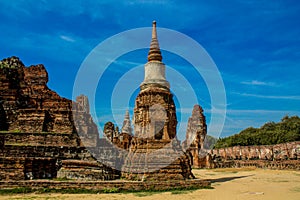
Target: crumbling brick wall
{"points": [[279, 156]]}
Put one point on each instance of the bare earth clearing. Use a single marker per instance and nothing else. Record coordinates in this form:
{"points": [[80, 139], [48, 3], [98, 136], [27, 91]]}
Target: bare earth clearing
{"points": [[231, 184]]}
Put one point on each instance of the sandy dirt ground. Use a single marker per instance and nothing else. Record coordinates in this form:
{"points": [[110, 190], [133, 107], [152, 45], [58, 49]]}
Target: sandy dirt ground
{"points": [[228, 184]]}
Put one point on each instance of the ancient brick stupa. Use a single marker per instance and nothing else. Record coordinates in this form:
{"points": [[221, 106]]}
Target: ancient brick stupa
{"points": [[155, 153], [195, 135], [126, 128]]}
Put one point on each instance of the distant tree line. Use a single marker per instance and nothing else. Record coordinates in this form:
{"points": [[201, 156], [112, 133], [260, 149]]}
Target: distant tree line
{"points": [[287, 130]]}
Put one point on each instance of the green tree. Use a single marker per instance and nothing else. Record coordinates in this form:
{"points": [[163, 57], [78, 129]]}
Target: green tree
{"points": [[287, 130]]}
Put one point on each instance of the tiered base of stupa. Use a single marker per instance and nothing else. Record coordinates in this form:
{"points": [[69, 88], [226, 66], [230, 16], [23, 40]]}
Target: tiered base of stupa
{"points": [[153, 160]]}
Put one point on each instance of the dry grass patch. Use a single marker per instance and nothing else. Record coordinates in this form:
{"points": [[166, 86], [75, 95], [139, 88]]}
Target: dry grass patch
{"points": [[295, 189], [36, 198], [234, 170]]}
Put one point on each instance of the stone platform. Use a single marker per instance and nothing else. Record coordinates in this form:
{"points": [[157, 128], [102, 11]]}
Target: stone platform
{"points": [[153, 160], [100, 186], [50, 155]]}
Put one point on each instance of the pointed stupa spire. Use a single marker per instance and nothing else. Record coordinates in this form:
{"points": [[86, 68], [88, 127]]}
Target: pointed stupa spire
{"points": [[154, 68], [127, 124], [154, 52], [127, 117]]}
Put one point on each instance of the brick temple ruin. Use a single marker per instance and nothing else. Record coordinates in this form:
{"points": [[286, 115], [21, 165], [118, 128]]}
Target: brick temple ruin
{"points": [[45, 136], [38, 138], [279, 156], [155, 153]]}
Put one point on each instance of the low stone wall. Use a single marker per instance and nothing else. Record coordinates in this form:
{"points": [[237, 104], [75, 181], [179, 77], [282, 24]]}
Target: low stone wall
{"points": [[284, 164], [282, 151], [106, 185], [279, 156], [86, 170], [266, 164]]}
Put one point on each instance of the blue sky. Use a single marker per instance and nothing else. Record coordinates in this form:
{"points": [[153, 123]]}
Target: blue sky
{"points": [[255, 45]]}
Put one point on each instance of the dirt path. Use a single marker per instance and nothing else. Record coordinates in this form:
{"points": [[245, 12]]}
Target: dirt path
{"points": [[228, 184]]}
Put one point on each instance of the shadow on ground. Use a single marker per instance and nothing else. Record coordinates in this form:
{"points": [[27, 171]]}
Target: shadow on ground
{"points": [[225, 179]]}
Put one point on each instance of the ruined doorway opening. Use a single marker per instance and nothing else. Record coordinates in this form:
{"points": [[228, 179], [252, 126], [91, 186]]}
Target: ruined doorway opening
{"points": [[48, 122], [40, 168], [3, 119], [158, 130]]}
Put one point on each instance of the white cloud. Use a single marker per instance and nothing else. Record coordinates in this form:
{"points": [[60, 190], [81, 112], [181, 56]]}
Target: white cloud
{"points": [[245, 111], [67, 38], [271, 96], [256, 82]]}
